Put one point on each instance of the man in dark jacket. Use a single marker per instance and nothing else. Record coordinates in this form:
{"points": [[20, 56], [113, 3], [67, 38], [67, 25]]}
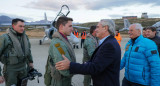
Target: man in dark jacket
{"points": [[105, 62], [151, 34]]}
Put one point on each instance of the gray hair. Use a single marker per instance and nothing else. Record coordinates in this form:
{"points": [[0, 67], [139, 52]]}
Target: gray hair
{"points": [[138, 26], [110, 23]]}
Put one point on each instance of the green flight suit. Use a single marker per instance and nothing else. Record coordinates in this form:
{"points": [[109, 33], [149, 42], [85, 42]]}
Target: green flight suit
{"points": [[59, 45], [15, 53], [90, 44]]}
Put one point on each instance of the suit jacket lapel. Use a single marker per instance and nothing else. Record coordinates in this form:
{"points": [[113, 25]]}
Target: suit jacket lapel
{"points": [[93, 55]]}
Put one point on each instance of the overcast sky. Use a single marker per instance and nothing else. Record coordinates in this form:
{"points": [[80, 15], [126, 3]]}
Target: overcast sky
{"points": [[80, 10]]}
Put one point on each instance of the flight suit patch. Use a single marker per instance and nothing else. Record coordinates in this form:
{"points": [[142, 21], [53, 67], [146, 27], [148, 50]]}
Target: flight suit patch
{"points": [[61, 51], [154, 52], [57, 45]]}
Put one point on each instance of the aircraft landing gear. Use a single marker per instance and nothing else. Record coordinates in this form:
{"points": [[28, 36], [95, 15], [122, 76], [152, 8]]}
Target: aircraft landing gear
{"points": [[40, 42]]}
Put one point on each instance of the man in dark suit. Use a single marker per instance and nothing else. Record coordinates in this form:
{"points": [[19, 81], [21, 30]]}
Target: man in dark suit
{"points": [[104, 66]]}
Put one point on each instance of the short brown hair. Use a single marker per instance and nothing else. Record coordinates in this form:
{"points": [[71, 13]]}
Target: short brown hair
{"points": [[14, 21], [144, 28], [92, 29], [62, 20], [151, 28]]}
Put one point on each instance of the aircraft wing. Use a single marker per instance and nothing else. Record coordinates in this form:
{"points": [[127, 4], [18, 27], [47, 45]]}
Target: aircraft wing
{"points": [[37, 24], [26, 24], [157, 26], [5, 24], [80, 27], [124, 29]]}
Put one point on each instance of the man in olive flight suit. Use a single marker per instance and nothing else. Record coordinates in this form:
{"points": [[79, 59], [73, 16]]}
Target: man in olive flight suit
{"points": [[61, 46], [15, 54], [90, 44]]}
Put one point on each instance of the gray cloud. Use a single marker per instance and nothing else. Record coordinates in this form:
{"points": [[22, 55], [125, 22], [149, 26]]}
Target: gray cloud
{"points": [[44, 5], [118, 3], [55, 5]]}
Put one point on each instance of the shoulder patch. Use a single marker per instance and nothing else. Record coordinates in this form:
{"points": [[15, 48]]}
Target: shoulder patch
{"points": [[127, 47], [61, 51], [57, 45], [154, 52]]}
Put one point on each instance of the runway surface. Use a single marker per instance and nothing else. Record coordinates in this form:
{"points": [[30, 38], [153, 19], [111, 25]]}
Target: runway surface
{"points": [[40, 53]]}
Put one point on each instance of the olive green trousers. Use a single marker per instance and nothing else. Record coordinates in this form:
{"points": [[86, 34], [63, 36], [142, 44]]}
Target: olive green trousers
{"points": [[14, 77]]}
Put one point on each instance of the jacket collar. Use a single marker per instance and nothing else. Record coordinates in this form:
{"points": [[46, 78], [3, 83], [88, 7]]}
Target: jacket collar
{"points": [[16, 33], [64, 36], [102, 40], [137, 40]]}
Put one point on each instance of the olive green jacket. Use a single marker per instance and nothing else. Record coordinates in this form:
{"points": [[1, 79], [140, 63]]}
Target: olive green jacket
{"points": [[7, 49], [90, 44], [59, 46]]}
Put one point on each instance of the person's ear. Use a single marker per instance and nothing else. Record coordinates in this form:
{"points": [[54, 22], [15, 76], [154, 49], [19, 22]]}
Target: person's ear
{"points": [[139, 31], [61, 26], [13, 25], [106, 27]]}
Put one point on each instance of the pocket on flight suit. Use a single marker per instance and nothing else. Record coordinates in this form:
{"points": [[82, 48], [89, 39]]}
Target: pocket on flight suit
{"points": [[3, 59], [55, 73], [47, 76], [13, 57]]}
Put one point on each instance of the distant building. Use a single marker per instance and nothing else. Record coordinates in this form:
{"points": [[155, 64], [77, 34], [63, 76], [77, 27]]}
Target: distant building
{"points": [[129, 17], [144, 15]]}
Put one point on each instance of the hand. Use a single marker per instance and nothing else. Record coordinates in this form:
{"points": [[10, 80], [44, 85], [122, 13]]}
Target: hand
{"points": [[1, 79], [31, 65], [63, 65]]}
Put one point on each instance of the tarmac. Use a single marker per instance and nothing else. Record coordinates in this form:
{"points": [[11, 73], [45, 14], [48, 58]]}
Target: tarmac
{"points": [[40, 54]]}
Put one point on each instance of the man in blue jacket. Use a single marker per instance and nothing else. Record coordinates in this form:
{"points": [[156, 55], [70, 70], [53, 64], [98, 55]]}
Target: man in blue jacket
{"points": [[141, 60], [105, 61]]}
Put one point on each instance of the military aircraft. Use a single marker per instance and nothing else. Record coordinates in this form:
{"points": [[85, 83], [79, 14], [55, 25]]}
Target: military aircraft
{"points": [[126, 25], [50, 27], [49, 31], [157, 26]]}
